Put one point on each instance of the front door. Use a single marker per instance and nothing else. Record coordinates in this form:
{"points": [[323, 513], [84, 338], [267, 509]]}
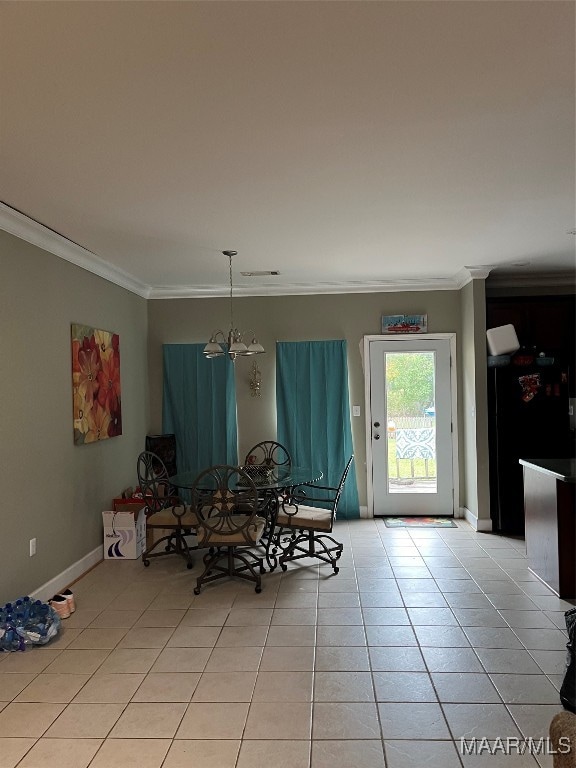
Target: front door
{"points": [[410, 430]]}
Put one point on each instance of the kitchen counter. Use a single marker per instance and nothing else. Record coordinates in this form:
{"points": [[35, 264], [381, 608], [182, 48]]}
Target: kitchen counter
{"points": [[562, 469], [550, 518]]}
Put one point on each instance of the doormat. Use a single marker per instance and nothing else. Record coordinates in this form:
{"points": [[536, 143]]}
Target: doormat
{"points": [[419, 522]]}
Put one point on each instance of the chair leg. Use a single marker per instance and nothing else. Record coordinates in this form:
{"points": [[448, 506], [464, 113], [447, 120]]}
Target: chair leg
{"points": [[306, 544], [151, 553], [213, 571], [184, 550], [175, 544]]}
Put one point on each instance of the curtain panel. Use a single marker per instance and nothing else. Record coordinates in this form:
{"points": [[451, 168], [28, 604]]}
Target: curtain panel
{"points": [[313, 412], [199, 407]]}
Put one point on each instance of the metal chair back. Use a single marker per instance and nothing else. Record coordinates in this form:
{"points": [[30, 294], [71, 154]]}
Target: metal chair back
{"points": [[268, 453], [153, 482], [225, 500]]}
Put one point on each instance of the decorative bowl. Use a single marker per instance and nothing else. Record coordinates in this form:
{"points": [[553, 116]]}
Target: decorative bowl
{"points": [[258, 472]]}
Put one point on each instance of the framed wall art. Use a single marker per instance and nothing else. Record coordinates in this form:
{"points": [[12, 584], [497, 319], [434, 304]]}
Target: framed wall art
{"points": [[95, 384], [404, 323]]}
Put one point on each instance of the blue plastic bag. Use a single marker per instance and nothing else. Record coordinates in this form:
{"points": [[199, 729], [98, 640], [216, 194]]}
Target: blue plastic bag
{"points": [[27, 622]]}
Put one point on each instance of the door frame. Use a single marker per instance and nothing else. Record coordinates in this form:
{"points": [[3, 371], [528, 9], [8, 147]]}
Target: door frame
{"points": [[451, 337]]}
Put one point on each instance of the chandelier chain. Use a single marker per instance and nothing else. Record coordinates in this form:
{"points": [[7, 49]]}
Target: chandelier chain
{"points": [[231, 302]]}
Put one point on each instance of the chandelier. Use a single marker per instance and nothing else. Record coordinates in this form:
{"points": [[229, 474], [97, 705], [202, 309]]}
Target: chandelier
{"points": [[234, 338]]}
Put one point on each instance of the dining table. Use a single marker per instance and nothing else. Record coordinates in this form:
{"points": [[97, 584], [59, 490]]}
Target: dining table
{"points": [[275, 486]]}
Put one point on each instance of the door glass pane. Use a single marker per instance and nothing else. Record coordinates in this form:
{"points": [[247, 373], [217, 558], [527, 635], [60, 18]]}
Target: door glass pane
{"points": [[411, 414]]}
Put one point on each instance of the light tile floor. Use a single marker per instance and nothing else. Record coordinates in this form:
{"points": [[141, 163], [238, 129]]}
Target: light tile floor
{"points": [[425, 636]]}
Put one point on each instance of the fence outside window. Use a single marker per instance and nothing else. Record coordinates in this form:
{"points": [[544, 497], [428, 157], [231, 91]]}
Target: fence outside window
{"points": [[412, 448]]}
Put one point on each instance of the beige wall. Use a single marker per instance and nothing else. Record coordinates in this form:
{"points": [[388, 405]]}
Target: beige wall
{"points": [[51, 489], [476, 495], [289, 318]]}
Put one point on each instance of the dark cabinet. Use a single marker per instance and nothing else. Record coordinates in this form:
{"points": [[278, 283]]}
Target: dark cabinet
{"points": [[543, 324], [549, 503], [535, 428], [523, 425]]}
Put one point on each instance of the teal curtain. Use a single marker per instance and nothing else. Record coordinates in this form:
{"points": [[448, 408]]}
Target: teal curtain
{"points": [[199, 407], [313, 412]]}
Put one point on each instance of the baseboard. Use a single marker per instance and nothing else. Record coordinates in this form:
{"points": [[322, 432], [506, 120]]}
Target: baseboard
{"points": [[364, 512], [77, 569], [478, 523]]}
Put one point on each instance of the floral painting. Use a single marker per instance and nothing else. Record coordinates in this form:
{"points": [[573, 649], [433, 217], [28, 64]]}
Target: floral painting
{"points": [[95, 384]]}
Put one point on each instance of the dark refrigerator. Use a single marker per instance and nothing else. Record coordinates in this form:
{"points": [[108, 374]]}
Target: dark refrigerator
{"points": [[528, 409]]}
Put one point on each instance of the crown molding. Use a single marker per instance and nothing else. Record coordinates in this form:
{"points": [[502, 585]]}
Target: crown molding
{"points": [[535, 279], [20, 225], [467, 274], [303, 289]]}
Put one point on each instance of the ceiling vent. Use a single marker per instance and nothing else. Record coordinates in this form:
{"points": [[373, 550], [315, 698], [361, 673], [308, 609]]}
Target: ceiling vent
{"points": [[260, 273]]}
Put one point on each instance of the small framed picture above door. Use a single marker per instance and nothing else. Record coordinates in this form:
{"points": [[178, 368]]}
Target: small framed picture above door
{"points": [[404, 323]]}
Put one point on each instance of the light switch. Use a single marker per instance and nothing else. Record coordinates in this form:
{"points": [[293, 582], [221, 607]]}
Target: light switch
{"points": [[355, 410]]}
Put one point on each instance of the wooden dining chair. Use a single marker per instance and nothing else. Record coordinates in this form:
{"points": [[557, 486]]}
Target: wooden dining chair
{"points": [[226, 503], [164, 510], [310, 526]]}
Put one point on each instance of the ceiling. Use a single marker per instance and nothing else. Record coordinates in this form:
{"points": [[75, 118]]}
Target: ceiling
{"points": [[349, 145]]}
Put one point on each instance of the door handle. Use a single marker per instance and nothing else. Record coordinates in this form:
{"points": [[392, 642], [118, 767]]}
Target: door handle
{"points": [[376, 424]]}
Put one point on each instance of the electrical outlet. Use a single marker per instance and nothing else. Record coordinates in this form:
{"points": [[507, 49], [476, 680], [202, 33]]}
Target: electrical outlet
{"points": [[355, 410], [32, 547]]}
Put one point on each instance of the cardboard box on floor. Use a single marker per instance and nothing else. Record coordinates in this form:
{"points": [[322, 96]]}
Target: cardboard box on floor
{"points": [[135, 504], [124, 534]]}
